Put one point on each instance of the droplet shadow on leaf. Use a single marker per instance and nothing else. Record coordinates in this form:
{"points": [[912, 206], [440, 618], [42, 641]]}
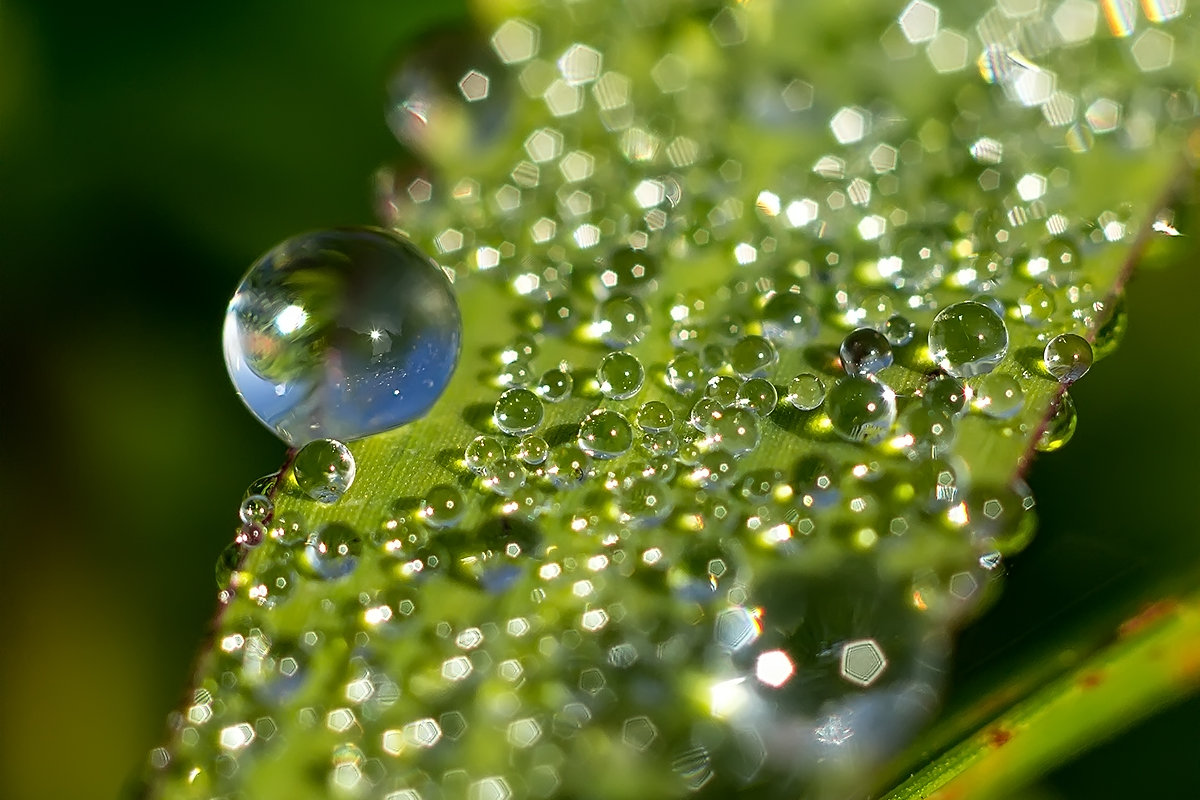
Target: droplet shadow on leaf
{"points": [[1030, 359], [479, 417]]}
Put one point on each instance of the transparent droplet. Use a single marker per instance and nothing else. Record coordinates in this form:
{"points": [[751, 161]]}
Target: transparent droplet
{"points": [[620, 376], [341, 333], [288, 529], [568, 466], [1068, 357], [324, 469], [967, 339], [1036, 306], [518, 411], [790, 318], [865, 352], [722, 389], [517, 373], [752, 356], [605, 434], [899, 330], [255, 508], [684, 373], [1060, 427], [737, 431], [655, 416], [533, 450], [945, 392], [926, 432], [758, 395], [621, 320], [482, 452], [660, 443], [805, 392], [1002, 516], [504, 476], [646, 500], [442, 507], [332, 551], [713, 357], [555, 385], [264, 486], [999, 396], [705, 412], [861, 409]]}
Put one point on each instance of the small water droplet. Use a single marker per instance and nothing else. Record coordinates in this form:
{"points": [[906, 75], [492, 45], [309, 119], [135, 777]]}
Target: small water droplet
{"points": [[442, 507], [684, 373], [605, 434], [929, 432], [865, 352], [620, 376], [482, 452], [533, 450], [723, 389], [704, 414], [752, 356], [1068, 357], [255, 509], [737, 431], [518, 411], [504, 476], [324, 469], [899, 330], [790, 318], [568, 466], [341, 333], [999, 396], [622, 320], [655, 416], [945, 392], [1060, 427], [555, 385], [758, 395], [805, 392], [332, 551], [1037, 306], [861, 409], [967, 339]]}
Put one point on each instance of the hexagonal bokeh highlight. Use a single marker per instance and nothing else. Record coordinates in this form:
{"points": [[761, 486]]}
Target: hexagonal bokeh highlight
{"points": [[863, 661], [919, 21]]}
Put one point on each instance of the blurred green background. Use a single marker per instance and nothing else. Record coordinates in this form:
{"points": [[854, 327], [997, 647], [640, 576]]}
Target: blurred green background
{"points": [[148, 154]]}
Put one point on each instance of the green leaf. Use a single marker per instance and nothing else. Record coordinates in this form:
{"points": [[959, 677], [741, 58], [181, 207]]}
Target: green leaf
{"points": [[570, 639]]}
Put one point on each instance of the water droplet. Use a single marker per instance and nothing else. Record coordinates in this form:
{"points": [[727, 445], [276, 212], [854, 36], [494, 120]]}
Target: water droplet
{"points": [[737, 431], [341, 333], [899, 330], [967, 339], [1112, 330], [655, 416], [865, 352], [288, 529], [332, 551], [752, 356], [722, 389], [482, 452], [1068, 357], [758, 395], [684, 373], [629, 270], [945, 392], [928, 432], [805, 392], [620, 376], [660, 443], [1037, 306], [516, 373], [999, 396], [442, 507], [1002, 516], [605, 434], [255, 509], [713, 357], [504, 476], [705, 412], [1060, 427], [518, 411], [790, 318], [555, 385], [622, 320], [533, 450], [568, 466], [861, 409], [324, 469], [646, 500]]}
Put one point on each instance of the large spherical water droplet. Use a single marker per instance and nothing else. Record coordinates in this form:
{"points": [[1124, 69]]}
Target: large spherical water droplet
{"points": [[605, 434], [864, 352], [684, 373], [341, 333], [324, 470], [518, 411], [752, 356], [967, 339], [861, 410], [758, 395], [805, 392], [1068, 357], [620, 376]]}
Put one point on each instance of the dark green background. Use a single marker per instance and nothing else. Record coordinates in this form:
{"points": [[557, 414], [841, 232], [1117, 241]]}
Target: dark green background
{"points": [[148, 153]]}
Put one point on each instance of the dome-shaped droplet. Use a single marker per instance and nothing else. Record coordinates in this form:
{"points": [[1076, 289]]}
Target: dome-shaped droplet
{"points": [[899, 330], [533, 450], [926, 432], [555, 385], [999, 396], [450, 95], [1060, 427], [655, 416], [621, 320], [861, 410], [482, 452], [945, 392], [737, 431], [752, 356], [805, 392], [324, 469], [1037, 306], [723, 389], [518, 411], [864, 352], [567, 466], [605, 434], [504, 476], [967, 339], [790, 318], [684, 373], [628, 270], [620, 376], [341, 333], [758, 395], [255, 509], [332, 551], [1068, 357], [442, 507]]}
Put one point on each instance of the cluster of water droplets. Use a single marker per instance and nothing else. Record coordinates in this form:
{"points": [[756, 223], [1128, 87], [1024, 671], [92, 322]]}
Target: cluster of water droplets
{"points": [[713, 509]]}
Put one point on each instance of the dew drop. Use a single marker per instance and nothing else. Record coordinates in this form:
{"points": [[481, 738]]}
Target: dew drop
{"points": [[605, 434], [999, 396], [332, 551], [255, 509], [621, 320], [1060, 427], [945, 392], [861, 410], [899, 330], [482, 452], [442, 507], [865, 352], [704, 414], [790, 318], [684, 373], [723, 389], [967, 339], [655, 416], [555, 385], [504, 476], [568, 466], [660, 443], [518, 411], [758, 395], [1068, 357], [805, 392], [737, 431], [533, 450], [324, 470], [1036, 306], [752, 356], [341, 333], [629, 270], [646, 500], [620, 376]]}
